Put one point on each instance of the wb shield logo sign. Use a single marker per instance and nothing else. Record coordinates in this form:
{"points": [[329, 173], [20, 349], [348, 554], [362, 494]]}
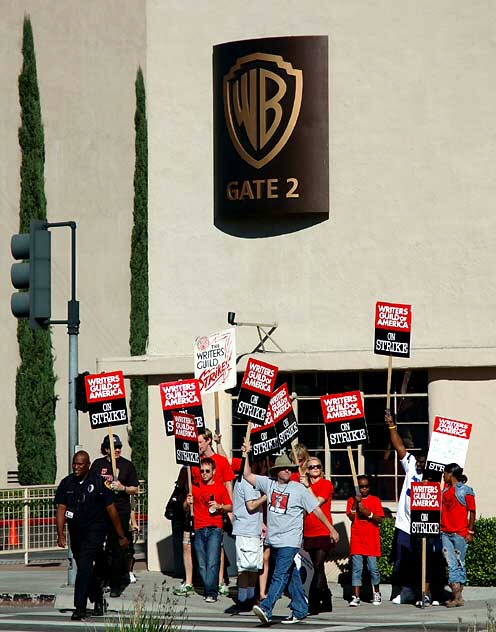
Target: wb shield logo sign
{"points": [[271, 133], [262, 101]]}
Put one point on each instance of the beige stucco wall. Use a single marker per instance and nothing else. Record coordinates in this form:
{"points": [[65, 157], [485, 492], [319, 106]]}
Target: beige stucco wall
{"points": [[87, 56]]}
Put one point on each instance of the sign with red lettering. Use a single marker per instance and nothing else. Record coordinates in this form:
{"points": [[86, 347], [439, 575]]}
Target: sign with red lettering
{"points": [[186, 438], [255, 392], [425, 507], [106, 399], [181, 396], [344, 418], [449, 444], [215, 361], [282, 414], [393, 326]]}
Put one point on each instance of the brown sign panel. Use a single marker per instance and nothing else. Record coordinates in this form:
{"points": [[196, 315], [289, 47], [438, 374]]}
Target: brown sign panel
{"points": [[271, 127]]}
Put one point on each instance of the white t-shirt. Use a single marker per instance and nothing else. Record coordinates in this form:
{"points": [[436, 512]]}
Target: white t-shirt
{"points": [[411, 476], [286, 505], [245, 523]]}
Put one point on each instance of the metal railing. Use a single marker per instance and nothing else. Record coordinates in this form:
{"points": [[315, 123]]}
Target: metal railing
{"points": [[27, 520]]}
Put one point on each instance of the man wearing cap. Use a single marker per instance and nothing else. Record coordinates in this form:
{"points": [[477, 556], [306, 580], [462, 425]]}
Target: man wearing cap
{"points": [[287, 502], [124, 483]]}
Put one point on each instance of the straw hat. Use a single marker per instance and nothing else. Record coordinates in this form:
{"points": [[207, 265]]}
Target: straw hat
{"points": [[282, 462]]}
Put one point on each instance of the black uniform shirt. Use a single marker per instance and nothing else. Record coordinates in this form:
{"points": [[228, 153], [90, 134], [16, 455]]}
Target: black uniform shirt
{"points": [[86, 500], [126, 474]]}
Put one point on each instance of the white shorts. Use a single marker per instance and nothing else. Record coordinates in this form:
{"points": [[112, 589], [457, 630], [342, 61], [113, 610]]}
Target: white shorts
{"points": [[249, 553]]}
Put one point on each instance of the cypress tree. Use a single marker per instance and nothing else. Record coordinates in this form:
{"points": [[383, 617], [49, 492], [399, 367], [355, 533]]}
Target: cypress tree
{"points": [[35, 380], [138, 330]]}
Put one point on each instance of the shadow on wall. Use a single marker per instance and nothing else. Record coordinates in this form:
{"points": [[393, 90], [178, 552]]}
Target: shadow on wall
{"points": [[260, 227]]}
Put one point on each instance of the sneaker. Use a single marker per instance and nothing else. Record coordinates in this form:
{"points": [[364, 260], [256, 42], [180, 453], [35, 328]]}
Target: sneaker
{"points": [[292, 619], [132, 578], [377, 599], [435, 602], [261, 614], [355, 602], [210, 599], [183, 590], [427, 602], [223, 590], [397, 600]]}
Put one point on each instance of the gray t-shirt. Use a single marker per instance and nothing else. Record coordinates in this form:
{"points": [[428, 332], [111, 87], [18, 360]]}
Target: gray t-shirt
{"points": [[285, 506], [245, 523]]}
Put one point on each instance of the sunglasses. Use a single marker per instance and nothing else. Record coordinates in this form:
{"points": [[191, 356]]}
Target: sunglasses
{"points": [[315, 467], [364, 486], [205, 471]]}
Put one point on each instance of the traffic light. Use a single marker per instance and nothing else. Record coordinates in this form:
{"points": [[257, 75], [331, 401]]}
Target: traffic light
{"points": [[32, 275]]}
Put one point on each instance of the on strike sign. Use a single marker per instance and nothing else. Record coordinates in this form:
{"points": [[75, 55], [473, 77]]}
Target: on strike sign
{"points": [[282, 414], [186, 438], [255, 392], [264, 440], [393, 325], [106, 399], [181, 396], [215, 361], [449, 444], [425, 506], [344, 418]]}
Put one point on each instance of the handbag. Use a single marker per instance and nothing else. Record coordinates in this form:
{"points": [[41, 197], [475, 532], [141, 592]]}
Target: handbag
{"points": [[174, 507]]}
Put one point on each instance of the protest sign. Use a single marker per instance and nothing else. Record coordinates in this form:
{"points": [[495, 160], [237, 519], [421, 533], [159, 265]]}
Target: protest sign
{"points": [[281, 413], [344, 418], [215, 361], [255, 392], [425, 508], [181, 396], [186, 438], [106, 399], [449, 444], [263, 440], [393, 324]]}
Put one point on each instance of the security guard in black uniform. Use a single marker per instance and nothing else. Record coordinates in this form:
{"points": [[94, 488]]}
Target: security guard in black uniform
{"points": [[83, 501]]}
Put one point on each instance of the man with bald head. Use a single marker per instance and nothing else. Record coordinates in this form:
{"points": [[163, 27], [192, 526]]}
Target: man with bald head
{"points": [[83, 502]]}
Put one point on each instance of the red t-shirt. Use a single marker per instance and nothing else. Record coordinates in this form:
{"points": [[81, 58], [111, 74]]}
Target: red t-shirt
{"points": [[365, 537], [201, 497], [312, 526], [223, 471], [454, 516]]}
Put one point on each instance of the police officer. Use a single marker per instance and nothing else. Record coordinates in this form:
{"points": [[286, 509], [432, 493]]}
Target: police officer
{"points": [[124, 485], [83, 501]]}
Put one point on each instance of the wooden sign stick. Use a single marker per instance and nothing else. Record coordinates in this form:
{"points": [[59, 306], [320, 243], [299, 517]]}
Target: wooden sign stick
{"points": [[112, 452], [190, 488], [295, 456], [353, 470], [389, 374], [217, 417], [424, 569], [247, 438]]}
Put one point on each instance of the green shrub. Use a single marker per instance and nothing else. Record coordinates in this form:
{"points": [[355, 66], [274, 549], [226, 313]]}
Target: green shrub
{"points": [[481, 554], [385, 564]]}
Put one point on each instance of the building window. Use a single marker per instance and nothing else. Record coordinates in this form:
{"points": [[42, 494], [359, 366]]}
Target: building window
{"points": [[377, 459]]}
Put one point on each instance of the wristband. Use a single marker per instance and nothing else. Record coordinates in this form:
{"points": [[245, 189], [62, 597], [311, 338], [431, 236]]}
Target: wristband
{"points": [[392, 427], [471, 532]]}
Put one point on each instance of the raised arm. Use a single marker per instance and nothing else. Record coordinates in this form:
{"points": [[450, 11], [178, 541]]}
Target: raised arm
{"points": [[396, 440], [247, 473], [218, 441], [253, 505]]}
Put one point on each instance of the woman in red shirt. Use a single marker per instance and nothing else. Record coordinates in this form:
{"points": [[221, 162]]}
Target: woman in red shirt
{"points": [[316, 537]]}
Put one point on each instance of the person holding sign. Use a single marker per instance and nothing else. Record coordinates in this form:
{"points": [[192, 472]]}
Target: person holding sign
{"points": [[210, 500], [124, 485], [405, 564], [457, 528], [286, 503], [366, 513], [316, 537]]}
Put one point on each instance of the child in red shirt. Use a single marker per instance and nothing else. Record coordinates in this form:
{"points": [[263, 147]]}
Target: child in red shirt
{"points": [[366, 513], [209, 501]]}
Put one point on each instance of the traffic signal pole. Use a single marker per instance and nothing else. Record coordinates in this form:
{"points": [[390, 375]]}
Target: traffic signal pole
{"points": [[72, 323]]}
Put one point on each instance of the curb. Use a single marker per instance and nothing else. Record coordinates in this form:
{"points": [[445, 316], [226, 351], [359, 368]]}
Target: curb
{"points": [[26, 599]]}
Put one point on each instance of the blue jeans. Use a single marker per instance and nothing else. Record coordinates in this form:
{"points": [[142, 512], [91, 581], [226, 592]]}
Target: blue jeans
{"points": [[454, 549], [284, 570], [207, 543], [357, 568]]}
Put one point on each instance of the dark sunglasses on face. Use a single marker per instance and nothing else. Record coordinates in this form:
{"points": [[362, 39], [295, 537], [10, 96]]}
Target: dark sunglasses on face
{"points": [[364, 486], [205, 471], [315, 467]]}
